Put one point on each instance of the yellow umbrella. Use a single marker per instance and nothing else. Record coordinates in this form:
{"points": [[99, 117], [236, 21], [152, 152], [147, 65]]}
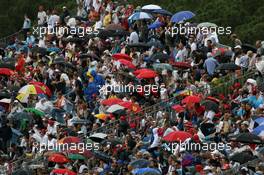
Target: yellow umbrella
{"points": [[101, 116]]}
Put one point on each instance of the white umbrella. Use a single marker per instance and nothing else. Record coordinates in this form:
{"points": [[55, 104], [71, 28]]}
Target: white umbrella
{"points": [[151, 7], [5, 100], [114, 108], [140, 16], [99, 135]]}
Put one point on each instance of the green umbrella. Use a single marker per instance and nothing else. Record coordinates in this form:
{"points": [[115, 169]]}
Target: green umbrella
{"points": [[206, 24], [76, 157], [162, 66], [35, 111]]}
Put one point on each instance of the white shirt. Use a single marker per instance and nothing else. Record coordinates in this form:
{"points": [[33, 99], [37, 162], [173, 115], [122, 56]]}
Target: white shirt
{"points": [[209, 115], [133, 38], [181, 55], [65, 78], [96, 5], [53, 20], [42, 17], [193, 47]]}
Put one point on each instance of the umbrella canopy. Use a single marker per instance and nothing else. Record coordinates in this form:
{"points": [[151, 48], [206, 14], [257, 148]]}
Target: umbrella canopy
{"points": [[5, 100], [228, 66], [6, 71], [119, 56], [76, 157], [113, 142], [43, 86], [191, 99], [9, 65], [114, 108], [156, 24], [248, 47], [210, 105], [182, 65], [111, 101], [58, 158], [151, 7], [130, 105], [206, 24], [114, 27], [178, 108], [259, 120], [101, 116], [177, 136], [139, 16], [98, 137], [35, 111], [182, 16], [63, 171], [259, 130], [242, 157], [70, 139], [89, 55], [146, 171], [140, 163], [32, 89], [160, 56], [102, 156], [138, 71], [162, 66], [162, 12], [246, 138], [147, 74], [127, 63], [86, 153]]}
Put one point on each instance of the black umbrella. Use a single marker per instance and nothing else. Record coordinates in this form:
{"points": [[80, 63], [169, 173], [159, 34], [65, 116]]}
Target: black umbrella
{"points": [[140, 163], [5, 95], [162, 57], [9, 65], [112, 33], [59, 60], [248, 47], [40, 50], [228, 66], [242, 157], [210, 105], [74, 39], [113, 142], [246, 138], [89, 55], [102, 156]]}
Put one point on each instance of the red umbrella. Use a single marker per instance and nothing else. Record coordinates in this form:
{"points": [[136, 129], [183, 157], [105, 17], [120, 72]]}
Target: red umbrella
{"points": [[63, 171], [6, 71], [127, 63], [178, 108], [84, 152], [70, 139], [111, 101], [213, 99], [147, 74], [183, 65], [58, 158], [137, 72], [43, 86], [177, 136], [130, 105], [119, 56], [191, 99]]}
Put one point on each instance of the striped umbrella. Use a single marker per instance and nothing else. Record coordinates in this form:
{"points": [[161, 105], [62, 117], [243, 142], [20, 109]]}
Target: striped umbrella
{"points": [[32, 89], [139, 16], [151, 7]]}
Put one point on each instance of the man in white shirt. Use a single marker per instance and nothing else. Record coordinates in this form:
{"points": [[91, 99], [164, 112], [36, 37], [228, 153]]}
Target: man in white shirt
{"points": [[42, 16], [133, 38], [96, 5], [53, 20], [182, 53]]}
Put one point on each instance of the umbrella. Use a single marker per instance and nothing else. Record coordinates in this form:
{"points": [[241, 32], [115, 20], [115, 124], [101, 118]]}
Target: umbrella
{"points": [[130, 105], [127, 63], [114, 27], [228, 66], [89, 55], [151, 7], [43, 86], [242, 157], [58, 158], [98, 137], [156, 24], [246, 138], [32, 89], [182, 16], [191, 99], [160, 56], [119, 56], [182, 65], [70, 139], [63, 171], [162, 12], [114, 108], [85, 152], [6, 71], [210, 105], [35, 111], [138, 71], [5, 100], [76, 157], [178, 108], [139, 16], [206, 24], [147, 74], [102, 156], [259, 120], [259, 130], [101, 116], [139, 163], [162, 66], [248, 47], [113, 142], [177, 136], [40, 50], [9, 65], [111, 101], [146, 171], [261, 150]]}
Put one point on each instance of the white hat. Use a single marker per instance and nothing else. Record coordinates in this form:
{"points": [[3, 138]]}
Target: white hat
{"points": [[245, 123], [238, 47], [252, 81], [207, 168], [209, 54]]}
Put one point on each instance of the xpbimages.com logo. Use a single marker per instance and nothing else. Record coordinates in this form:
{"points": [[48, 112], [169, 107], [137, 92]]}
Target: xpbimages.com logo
{"points": [[190, 146]]}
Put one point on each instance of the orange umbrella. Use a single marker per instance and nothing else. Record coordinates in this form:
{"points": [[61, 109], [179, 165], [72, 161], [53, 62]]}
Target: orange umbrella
{"points": [[127, 63], [111, 101], [58, 158]]}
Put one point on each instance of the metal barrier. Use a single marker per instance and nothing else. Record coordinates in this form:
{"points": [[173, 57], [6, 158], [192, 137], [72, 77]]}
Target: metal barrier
{"points": [[4, 41]]}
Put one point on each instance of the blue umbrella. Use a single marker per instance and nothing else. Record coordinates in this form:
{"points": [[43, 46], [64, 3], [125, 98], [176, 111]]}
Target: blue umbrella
{"points": [[146, 171], [139, 16], [258, 130], [182, 16], [260, 120], [156, 24], [162, 12], [139, 163]]}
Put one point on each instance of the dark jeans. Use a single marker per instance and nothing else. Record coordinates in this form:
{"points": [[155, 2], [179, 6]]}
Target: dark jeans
{"points": [[25, 31]]}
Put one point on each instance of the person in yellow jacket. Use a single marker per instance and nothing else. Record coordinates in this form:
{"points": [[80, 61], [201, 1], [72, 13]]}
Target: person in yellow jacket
{"points": [[107, 19]]}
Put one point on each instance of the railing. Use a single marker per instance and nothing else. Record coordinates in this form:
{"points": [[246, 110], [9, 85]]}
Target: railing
{"points": [[4, 41]]}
